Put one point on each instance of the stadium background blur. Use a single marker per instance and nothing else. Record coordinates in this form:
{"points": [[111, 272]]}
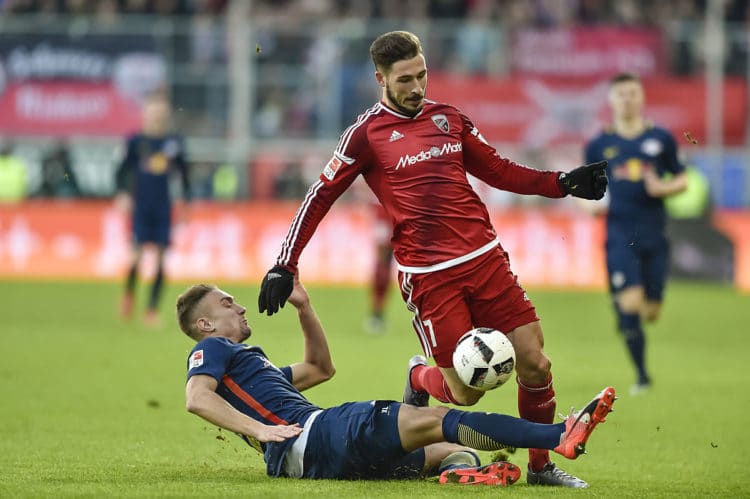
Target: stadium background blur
{"points": [[94, 407], [262, 90]]}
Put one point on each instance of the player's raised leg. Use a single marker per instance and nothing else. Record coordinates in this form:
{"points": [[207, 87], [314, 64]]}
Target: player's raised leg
{"points": [[420, 426], [441, 317]]}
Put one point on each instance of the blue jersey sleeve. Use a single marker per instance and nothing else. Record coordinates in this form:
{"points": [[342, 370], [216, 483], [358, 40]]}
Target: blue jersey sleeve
{"points": [[126, 170], [210, 357], [287, 372], [669, 158], [184, 168]]}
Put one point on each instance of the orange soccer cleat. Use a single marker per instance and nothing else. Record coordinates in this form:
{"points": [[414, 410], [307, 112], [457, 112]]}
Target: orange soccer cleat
{"points": [[501, 473], [579, 425]]}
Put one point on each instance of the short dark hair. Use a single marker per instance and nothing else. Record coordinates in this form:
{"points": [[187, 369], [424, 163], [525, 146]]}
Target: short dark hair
{"points": [[186, 304], [392, 47], [623, 77]]}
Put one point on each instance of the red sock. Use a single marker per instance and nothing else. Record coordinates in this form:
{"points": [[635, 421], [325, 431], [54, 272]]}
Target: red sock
{"points": [[381, 280], [429, 379], [537, 404]]}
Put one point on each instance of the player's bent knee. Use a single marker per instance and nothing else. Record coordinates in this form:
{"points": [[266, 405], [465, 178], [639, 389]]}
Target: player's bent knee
{"points": [[534, 371], [631, 300]]}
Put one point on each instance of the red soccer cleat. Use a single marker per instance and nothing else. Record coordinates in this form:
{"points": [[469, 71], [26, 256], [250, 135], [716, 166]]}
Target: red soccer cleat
{"points": [[501, 473], [578, 426]]}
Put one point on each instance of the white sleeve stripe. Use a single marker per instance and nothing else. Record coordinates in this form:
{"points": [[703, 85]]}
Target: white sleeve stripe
{"points": [[293, 232], [347, 135], [406, 287]]}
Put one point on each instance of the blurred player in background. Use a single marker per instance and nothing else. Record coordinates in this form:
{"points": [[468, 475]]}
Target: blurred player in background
{"points": [[415, 155], [381, 272], [234, 386], [143, 191], [639, 155]]}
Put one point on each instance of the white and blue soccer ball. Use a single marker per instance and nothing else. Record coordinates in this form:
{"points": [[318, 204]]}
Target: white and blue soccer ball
{"points": [[484, 358]]}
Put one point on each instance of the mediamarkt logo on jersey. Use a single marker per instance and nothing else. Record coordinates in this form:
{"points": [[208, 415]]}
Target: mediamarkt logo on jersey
{"points": [[432, 152]]}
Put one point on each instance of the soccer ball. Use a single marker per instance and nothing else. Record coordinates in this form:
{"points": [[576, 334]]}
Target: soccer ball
{"points": [[484, 358]]}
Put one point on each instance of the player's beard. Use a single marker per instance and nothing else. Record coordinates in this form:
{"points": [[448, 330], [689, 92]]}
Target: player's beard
{"points": [[403, 110]]}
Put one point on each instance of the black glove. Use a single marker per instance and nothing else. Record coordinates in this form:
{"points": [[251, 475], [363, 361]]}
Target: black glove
{"points": [[275, 289], [587, 181]]}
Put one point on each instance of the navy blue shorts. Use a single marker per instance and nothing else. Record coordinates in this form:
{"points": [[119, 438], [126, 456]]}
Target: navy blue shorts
{"points": [[360, 440], [642, 263], [152, 226]]}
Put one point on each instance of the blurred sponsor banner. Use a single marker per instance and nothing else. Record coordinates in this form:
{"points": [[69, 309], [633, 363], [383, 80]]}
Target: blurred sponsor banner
{"points": [[538, 112], [736, 225], [240, 241], [62, 108], [48, 239], [65, 85], [587, 51]]}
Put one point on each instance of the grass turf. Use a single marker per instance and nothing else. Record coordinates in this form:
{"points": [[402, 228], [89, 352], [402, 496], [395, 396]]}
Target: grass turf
{"points": [[93, 407]]}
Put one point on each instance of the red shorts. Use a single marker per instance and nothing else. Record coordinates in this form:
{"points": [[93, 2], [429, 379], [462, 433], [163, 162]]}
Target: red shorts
{"points": [[447, 303]]}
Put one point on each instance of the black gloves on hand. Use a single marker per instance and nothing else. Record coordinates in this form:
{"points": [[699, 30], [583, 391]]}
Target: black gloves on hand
{"points": [[587, 181], [275, 289]]}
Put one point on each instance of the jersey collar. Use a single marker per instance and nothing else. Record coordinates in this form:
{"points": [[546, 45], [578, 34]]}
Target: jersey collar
{"points": [[384, 107]]}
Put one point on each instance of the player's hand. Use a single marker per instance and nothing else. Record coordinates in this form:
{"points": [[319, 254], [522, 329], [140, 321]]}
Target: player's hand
{"points": [[587, 181], [278, 433], [275, 289]]}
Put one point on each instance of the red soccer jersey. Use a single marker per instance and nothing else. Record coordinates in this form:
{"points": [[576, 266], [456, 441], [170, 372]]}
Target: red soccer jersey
{"points": [[417, 167]]}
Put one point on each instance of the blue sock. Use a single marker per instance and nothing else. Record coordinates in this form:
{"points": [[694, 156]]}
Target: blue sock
{"points": [[632, 331], [488, 431]]}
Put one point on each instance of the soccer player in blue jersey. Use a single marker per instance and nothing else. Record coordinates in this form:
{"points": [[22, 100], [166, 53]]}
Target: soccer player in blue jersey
{"points": [[235, 386], [151, 157], [642, 169]]}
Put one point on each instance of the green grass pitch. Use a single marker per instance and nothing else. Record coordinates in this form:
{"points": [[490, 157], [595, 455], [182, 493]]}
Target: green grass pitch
{"points": [[92, 407]]}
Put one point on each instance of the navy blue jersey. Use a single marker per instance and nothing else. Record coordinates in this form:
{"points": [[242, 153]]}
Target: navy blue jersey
{"points": [[632, 212], [146, 168], [252, 385]]}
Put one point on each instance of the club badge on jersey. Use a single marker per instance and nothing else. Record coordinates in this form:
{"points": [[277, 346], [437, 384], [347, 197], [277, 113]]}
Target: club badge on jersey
{"points": [[442, 123]]}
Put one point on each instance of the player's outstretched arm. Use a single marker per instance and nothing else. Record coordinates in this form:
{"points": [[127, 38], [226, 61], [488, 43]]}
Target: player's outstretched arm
{"points": [[275, 289], [202, 400], [587, 181], [317, 366]]}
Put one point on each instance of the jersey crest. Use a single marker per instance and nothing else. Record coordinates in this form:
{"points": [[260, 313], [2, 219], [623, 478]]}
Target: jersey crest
{"points": [[442, 123], [652, 147]]}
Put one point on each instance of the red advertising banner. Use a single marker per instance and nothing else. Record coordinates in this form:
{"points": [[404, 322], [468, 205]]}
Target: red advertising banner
{"points": [[538, 112], [587, 51], [63, 84], [239, 241], [67, 108]]}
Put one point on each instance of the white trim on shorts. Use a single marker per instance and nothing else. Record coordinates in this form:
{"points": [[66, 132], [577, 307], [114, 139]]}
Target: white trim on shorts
{"points": [[293, 465], [452, 262]]}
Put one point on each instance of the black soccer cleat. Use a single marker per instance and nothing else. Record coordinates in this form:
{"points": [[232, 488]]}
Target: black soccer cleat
{"points": [[412, 396]]}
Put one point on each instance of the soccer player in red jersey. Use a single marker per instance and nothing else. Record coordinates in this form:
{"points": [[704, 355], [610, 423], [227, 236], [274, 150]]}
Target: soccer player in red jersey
{"points": [[415, 155]]}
